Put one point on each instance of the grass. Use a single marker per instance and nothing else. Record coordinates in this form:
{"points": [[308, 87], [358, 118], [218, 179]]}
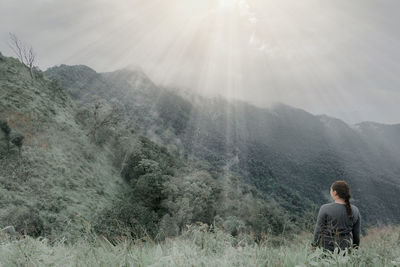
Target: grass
{"points": [[60, 173], [380, 247]]}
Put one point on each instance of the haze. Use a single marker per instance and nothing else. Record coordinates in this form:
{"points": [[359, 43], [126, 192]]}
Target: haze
{"points": [[334, 57]]}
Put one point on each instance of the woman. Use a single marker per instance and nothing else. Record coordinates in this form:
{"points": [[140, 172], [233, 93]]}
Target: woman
{"points": [[338, 223]]}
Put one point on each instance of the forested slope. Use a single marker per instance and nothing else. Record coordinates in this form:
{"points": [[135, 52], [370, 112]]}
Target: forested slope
{"points": [[87, 166], [59, 174], [287, 153]]}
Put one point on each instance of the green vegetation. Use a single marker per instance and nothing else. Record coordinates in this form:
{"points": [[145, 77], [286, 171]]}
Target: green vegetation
{"points": [[199, 247], [89, 161], [109, 169], [59, 174], [5, 128]]}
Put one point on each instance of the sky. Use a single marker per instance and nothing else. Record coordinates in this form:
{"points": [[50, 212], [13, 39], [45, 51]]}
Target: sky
{"points": [[334, 57]]}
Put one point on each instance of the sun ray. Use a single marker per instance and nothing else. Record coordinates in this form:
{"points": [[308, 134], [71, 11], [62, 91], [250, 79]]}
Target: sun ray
{"points": [[304, 53]]}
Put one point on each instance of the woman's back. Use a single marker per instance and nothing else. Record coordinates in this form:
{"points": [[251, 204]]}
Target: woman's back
{"points": [[335, 228]]}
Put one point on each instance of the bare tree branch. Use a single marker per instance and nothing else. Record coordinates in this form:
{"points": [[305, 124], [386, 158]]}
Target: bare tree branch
{"points": [[15, 44], [25, 53]]}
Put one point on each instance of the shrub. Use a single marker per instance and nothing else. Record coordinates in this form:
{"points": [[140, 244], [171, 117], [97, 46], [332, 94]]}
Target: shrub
{"points": [[55, 87], [5, 128], [127, 217], [18, 141], [25, 220]]}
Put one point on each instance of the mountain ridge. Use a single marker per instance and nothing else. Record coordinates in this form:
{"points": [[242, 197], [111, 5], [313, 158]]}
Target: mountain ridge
{"points": [[127, 71], [286, 152]]}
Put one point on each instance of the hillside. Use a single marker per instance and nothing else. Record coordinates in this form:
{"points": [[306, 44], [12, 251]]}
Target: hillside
{"points": [[60, 175], [287, 153], [115, 154], [86, 166]]}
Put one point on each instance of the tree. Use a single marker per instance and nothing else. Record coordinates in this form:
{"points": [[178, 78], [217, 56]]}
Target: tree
{"points": [[7, 131], [23, 51], [55, 87], [191, 198], [102, 118]]}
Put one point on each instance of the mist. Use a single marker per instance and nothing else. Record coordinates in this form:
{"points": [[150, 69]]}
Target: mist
{"points": [[328, 57]]}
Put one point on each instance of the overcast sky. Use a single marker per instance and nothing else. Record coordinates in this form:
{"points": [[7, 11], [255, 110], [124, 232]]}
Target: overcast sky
{"points": [[334, 57]]}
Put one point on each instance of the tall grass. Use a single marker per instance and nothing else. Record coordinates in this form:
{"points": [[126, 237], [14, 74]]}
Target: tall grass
{"points": [[199, 247]]}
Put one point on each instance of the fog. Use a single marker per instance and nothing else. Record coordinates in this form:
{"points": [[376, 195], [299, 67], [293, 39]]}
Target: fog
{"points": [[334, 57]]}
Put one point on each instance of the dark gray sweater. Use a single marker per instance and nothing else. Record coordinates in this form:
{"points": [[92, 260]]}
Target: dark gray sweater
{"points": [[335, 229]]}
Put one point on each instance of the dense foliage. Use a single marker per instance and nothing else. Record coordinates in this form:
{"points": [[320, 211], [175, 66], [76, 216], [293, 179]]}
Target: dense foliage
{"points": [[87, 166], [115, 155], [289, 155]]}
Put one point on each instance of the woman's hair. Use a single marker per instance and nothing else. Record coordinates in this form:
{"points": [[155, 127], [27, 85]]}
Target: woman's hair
{"points": [[343, 191]]}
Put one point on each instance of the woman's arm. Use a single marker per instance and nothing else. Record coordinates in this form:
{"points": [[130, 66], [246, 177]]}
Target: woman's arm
{"points": [[318, 226], [356, 232]]}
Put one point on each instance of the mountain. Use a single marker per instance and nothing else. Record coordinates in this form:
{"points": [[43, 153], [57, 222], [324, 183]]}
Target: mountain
{"points": [[288, 154], [75, 164], [115, 154]]}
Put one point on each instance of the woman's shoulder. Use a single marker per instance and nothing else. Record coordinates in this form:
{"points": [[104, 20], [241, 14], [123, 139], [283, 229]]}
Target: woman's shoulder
{"points": [[327, 207], [355, 209]]}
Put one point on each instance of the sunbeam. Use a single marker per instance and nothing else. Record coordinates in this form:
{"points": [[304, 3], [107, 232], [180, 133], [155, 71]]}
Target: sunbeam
{"points": [[317, 55], [199, 132]]}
